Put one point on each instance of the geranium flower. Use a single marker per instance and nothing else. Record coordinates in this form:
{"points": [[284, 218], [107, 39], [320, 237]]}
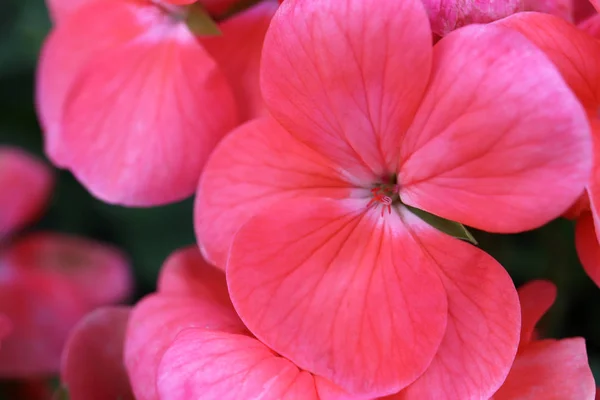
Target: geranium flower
{"points": [[48, 281], [546, 368], [314, 212], [132, 102], [574, 52]]}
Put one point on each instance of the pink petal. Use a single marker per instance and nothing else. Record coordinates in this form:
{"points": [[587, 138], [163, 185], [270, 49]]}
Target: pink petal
{"points": [[5, 327], [500, 143], [60, 10], [92, 363], [536, 298], [144, 135], [218, 365], [448, 15], [42, 310], [560, 8], [98, 272], [552, 370], [347, 295], [26, 185], [332, 75], [591, 26], [483, 328], [570, 49], [240, 64], [186, 273], [587, 246], [596, 4], [255, 167], [582, 9], [156, 321]]}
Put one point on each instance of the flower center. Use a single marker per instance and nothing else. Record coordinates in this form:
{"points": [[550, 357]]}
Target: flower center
{"points": [[385, 194]]}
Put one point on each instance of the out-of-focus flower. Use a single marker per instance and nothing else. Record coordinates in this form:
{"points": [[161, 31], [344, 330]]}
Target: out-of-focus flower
{"points": [[48, 281], [546, 368], [315, 215], [186, 342], [132, 101], [92, 365], [575, 54]]}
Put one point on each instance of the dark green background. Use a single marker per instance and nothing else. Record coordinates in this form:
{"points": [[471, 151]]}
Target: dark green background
{"points": [[149, 235]]}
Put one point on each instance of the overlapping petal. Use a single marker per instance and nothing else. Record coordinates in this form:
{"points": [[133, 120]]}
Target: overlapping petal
{"points": [[140, 117], [347, 91], [257, 166], [341, 292], [591, 25], [587, 246], [99, 273], [536, 298], [26, 185], [92, 362], [499, 145]]}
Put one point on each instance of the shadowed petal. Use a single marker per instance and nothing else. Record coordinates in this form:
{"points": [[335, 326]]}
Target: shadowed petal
{"points": [[331, 74], [98, 272], [550, 370], [346, 294], [92, 363], [255, 167], [500, 143], [482, 333], [591, 25], [588, 249], [536, 298], [25, 186]]}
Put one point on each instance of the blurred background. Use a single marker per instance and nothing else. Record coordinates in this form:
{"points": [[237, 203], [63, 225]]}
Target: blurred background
{"points": [[148, 236]]}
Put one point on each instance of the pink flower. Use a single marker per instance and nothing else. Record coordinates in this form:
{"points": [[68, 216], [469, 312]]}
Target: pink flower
{"points": [[48, 281], [548, 368], [132, 102], [186, 342], [313, 212], [572, 51], [92, 365]]}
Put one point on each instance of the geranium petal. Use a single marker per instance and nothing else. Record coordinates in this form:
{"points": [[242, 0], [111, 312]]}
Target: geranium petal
{"points": [[92, 362], [346, 294], [331, 74], [222, 366], [98, 272], [559, 8], [42, 309], [240, 64], [26, 185], [255, 167], [500, 143], [154, 324], [482, 333], [550, 370], [591, 25], [536, 298], [588, 249]]}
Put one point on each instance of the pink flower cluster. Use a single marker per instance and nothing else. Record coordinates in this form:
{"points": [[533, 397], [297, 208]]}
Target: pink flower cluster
{"points": [[338, 150]]}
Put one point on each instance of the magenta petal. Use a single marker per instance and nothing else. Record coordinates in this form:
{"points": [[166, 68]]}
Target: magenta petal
{"points": [[92, 362], [536, 298]]}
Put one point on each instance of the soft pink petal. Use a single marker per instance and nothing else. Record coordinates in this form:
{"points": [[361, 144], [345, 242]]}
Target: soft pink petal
{"points": [[341, 292], [560, 8], [240, 64], [448, 15], [550, 370], [536, 298], [571, 50], [483, 328], [98, 272], [42, 309], [500, 143], [224, 366], [587, 246], [25, 186], [591, 26], [257, 166], [186, 273], [333, 75], [92, 363], [156, 321], [60, 10], [72, 45]]}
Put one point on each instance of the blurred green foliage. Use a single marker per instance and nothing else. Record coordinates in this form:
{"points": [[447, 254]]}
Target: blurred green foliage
{"points": [[149, 235]]}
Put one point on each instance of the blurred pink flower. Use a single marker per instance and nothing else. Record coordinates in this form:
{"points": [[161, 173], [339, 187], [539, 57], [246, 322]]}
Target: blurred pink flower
{"points": [[48, 281], [132, 101]]}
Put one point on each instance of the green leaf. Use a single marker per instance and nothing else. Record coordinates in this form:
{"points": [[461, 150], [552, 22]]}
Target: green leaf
{"points": [[200, 22], [451, 228]]}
